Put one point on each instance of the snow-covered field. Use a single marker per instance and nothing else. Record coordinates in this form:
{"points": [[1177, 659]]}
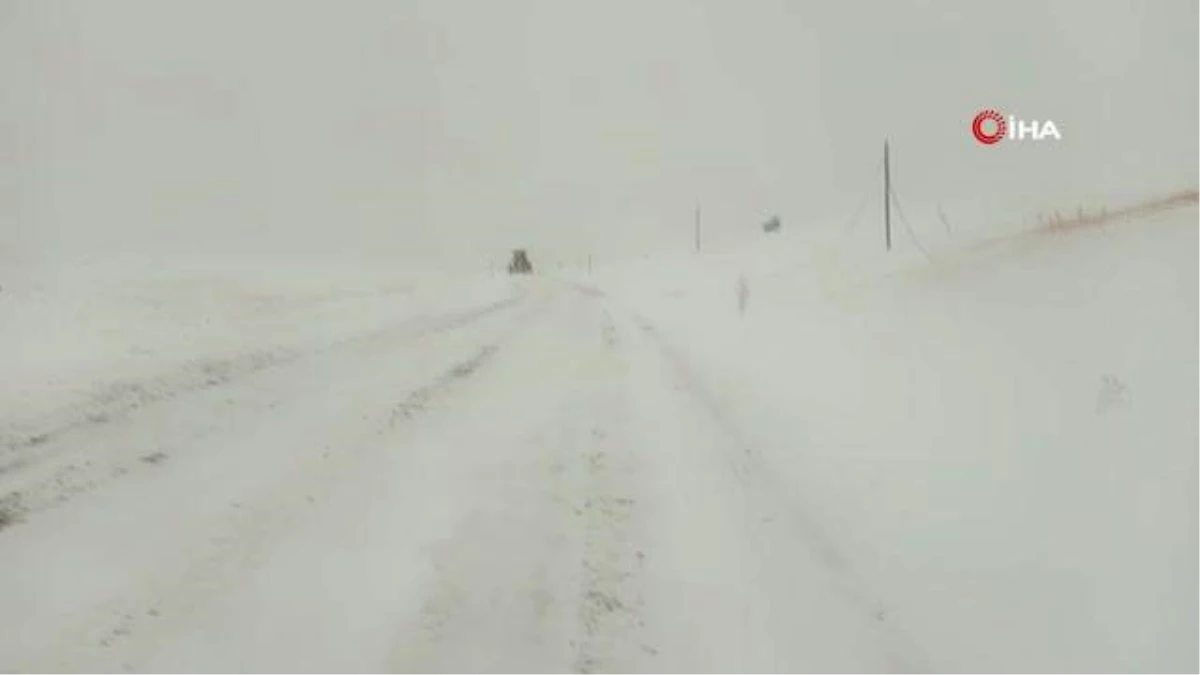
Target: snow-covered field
{"points": [[79, 323], [1000, 444], [982, 461]]}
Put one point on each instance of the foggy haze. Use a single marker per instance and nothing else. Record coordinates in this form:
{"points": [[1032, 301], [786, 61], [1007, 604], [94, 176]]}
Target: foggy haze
{"points": [[446, 133], [378, 336]]}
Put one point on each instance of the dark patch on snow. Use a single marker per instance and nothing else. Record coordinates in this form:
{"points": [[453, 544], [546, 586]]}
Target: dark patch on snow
{"points": [[126, 396], [419, 399], [11, 511]]}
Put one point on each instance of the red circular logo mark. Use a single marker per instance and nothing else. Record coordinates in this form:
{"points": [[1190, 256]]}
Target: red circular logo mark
{"points": [[999, 127]]}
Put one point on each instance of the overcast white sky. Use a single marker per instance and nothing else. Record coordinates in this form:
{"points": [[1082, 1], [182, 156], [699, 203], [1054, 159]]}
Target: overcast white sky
{"points": [[453, 131]]}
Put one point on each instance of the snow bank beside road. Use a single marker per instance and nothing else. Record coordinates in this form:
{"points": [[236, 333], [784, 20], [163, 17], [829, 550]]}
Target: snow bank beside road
{"points": [[1003, 446], [69, 330]]}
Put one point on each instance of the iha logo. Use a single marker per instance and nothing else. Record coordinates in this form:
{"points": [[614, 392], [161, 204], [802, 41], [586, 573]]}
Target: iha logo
{"points": [[990, 127]]}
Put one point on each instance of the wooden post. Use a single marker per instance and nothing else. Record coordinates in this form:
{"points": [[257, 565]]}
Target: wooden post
{"points": [[887, 198]]}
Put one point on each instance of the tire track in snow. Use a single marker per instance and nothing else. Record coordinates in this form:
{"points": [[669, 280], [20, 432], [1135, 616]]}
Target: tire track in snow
{"points": [[112, 401], [775, 505], [610, 604], [241, 539], [52, 466], [541, 576]]}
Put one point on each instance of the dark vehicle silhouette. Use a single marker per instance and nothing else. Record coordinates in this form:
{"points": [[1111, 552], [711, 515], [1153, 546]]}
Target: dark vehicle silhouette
{"points": [[520, 263]]}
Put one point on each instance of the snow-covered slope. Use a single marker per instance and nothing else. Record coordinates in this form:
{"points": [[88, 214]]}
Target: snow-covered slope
{"points": [[1000, 440]]}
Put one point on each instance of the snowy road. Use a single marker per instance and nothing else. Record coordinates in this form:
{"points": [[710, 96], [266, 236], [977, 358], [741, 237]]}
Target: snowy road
{"points": [[533, 484]]}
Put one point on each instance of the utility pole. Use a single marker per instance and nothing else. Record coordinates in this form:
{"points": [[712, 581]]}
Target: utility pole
{"points": [[887, 198], [697, 228]]}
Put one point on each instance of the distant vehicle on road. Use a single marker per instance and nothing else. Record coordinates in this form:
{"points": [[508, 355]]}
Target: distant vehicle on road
{"points": [[520, 263]]}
